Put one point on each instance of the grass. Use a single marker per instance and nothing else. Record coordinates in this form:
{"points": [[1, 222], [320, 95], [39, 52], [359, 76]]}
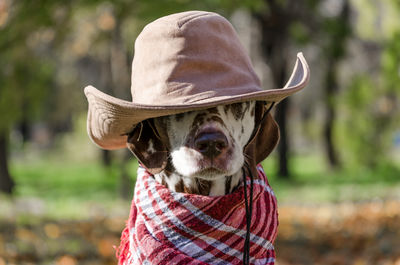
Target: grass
{"points": [[76, 189], [312, 183], [65, 189]]}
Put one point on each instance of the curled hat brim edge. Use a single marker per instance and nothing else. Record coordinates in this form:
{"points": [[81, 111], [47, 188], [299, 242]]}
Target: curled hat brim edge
{"points": [[110, 119]]}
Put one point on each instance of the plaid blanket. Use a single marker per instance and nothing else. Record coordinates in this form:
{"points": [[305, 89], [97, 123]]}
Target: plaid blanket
{"points": [[167, 227]]}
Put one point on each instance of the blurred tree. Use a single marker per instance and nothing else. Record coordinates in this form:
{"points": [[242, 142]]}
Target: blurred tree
{"points": [[6, 182], [336, 30], [281, 23], [275, 22], [111, 18], [27, 30], [372, 102], [32, 31], [120, 73]]}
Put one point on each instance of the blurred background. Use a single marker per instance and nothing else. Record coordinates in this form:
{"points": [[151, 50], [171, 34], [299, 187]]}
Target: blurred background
{"points": [[336, 172]]}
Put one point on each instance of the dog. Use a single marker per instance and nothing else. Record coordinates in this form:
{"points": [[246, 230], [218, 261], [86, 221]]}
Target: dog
{"points": [[199, 125], [208, 153], [205, 147]]}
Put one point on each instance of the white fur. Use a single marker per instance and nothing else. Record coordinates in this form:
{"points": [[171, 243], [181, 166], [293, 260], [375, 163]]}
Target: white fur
{"points": [[187, 161], [151, 149]]}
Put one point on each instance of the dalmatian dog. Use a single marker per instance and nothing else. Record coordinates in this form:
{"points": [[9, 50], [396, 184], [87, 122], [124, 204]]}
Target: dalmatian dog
{"points": [[203, 149]]}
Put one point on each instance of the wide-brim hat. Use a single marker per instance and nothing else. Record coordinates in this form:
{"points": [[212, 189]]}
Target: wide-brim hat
{"points": [[183, 62]]}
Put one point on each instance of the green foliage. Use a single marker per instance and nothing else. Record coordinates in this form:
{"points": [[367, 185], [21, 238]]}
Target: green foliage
{"points": [[150, 10], [391, 64], [33, 32], [313, 183], [337, 30], [27, 83], [300, 33], [26, 71], [365, 132], [49, 179], [71, 189], [358, 136]]}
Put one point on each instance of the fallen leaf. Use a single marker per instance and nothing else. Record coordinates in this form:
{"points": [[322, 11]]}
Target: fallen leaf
{"points": [[66, 260], [52, 231], [105, 247]]}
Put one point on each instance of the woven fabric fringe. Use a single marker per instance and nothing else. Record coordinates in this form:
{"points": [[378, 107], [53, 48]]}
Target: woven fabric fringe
{"points": [[123, 253], [167, 227]]}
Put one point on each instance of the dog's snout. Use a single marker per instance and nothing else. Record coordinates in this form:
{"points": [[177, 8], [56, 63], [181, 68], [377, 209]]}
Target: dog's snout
{"points": [[211, 144]]}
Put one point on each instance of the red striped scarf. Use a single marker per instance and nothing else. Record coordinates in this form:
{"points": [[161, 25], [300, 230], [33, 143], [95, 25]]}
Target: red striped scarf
{"points": [[167, 227]]}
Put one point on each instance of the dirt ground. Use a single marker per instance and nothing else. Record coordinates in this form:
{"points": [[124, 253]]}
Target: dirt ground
{"points": [[341, 234]]}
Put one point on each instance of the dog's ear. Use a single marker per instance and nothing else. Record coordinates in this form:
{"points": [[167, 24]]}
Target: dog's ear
{"points": [[265, 139], [148, 146]]}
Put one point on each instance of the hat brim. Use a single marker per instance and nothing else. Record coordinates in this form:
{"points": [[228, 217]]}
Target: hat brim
{"points": [[110, 119]]}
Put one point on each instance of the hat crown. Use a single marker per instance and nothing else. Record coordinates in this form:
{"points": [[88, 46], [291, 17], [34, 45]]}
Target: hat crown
{"points": [[190, 57], [183, 62]]}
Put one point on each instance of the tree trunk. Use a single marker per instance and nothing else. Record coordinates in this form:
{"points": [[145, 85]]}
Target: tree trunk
{"points": [[24, 125], [280, 75], [6, 182], [335, 51], [106, 158], [274, 35], [330, 92], [283, 147]]}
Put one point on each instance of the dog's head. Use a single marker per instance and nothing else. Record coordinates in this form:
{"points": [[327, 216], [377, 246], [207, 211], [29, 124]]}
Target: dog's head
{"points": [[206, 144]]}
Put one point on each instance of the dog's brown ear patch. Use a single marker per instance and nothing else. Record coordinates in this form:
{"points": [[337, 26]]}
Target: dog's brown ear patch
{"points": [[146, 144], [266, 138]]}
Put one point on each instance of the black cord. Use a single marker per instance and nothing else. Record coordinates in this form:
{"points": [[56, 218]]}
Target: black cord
{"points": [[249, 206], [249, 213], [246, 247]]}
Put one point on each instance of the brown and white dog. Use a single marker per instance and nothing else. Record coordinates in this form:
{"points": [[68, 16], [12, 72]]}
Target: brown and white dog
{"points": [[203, 151], [188, 62]]}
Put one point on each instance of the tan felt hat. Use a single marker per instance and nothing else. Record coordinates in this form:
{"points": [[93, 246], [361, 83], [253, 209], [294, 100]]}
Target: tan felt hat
{"points": [[183, 62]]}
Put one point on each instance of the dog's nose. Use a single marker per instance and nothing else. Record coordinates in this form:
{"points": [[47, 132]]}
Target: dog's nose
{"points": [[210, 144]]}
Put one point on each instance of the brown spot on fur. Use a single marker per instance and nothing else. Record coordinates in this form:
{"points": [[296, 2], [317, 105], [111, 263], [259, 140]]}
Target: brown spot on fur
{"points": [[237, 110], [163, 182], [204, 186], [199, 119], [179, 116], [228, 181], [201, 186], [197, 122], [246, 108], [217, 119], [213, 110], [180, 187], [190, 190], [226, 108]]}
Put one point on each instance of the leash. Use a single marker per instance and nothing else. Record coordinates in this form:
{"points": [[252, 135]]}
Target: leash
{"points": [[249, 206]]}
